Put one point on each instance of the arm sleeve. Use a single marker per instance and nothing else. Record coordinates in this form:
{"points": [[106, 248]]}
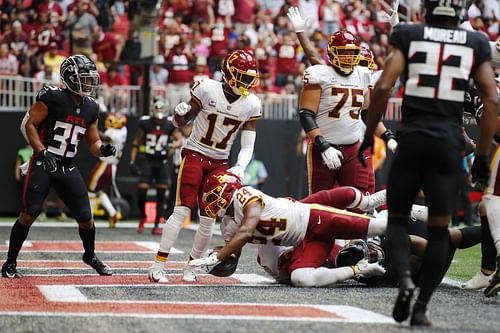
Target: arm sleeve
{"points": [[246, 150]]}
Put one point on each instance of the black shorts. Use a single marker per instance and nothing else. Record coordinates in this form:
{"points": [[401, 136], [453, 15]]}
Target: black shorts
{"points": [[66, 181], [427, 163], [154, 169]]}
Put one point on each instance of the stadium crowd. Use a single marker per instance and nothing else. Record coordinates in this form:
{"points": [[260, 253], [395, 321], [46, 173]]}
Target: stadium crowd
{"points": [[194, 36]]}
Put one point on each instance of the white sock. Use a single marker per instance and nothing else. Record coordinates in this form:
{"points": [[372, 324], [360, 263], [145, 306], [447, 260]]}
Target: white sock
{"points": [[492, 205], [358, 198], [377, 226], [202, 237], [106, 204], [173, 227]]}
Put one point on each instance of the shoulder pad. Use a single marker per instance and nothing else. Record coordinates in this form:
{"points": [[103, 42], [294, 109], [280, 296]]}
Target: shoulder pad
{"points": [[317, 74]]}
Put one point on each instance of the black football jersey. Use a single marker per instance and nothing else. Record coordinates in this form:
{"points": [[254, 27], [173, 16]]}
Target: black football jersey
{"points": [[439, 63], [66, 123], [157, 136]]}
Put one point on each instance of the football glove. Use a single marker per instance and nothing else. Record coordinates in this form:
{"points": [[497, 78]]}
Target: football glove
{"points": [[390, 140], [367, 143], [182, 109], [392, 145], [331, 156], [237, 170], [393, 17], [366, 270], [298, 23], [480, 170], [107, 149], [205, 264], [49, 160], [134, 169]]}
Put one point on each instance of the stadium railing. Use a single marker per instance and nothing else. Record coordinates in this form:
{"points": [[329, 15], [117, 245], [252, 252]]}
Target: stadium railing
{"points": [[19, 93]]}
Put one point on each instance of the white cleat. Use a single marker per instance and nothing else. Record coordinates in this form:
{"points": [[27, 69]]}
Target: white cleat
{"points": [[157, 275], [189, 274], [374, 200], [419, 212], [478, 281]]}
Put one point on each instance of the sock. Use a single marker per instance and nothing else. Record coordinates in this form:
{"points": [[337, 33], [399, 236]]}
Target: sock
{"points": [[492, 205], [172, 228], [397, 244], [160, 204], [434, 262], [488, 251], [202, 237], [141, 201], [470, 237], [160, 259], [18, 235], [106, 204], [377, 227], [88, 240]]}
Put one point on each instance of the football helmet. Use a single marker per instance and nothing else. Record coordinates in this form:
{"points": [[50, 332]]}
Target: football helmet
{"points": [[115, 120], [158, 110], [366, 59], [79, 74], [450, 8], [353, 252], [344, 51], [239, 70], [218, 193]]}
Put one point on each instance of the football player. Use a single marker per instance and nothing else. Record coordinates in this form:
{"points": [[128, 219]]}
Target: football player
{"points": [[104, 173], [218, 111], [435, 60], [155, 130], [54, 126], [251, 216]]}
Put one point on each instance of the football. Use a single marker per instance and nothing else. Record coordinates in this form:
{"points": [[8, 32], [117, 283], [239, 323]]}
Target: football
{"points": [[226, 267]]}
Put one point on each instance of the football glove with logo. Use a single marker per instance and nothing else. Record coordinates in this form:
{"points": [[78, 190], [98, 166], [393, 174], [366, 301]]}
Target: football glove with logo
{"points": [[365, 269], [48, 160]]}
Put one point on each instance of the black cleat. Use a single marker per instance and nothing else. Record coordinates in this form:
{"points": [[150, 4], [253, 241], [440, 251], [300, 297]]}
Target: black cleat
{"points": [[418, 317], [9, 270], [401, 309], [98, 265], [492, 289]]}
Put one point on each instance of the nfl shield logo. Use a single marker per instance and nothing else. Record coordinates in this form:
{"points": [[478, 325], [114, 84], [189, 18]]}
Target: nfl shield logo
{"points": [[229, 108], [211, 102]]}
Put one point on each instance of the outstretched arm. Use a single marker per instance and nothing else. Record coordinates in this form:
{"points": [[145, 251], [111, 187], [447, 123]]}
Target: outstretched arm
{"points": [[299, 25], [246, 151]]}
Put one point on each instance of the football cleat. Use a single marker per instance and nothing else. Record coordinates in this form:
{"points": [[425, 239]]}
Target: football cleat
{"points": [[494, 286], [189, 274], [419, 317], [113, 219], [401, 309], [157, 231], [374, 200], [140, 227], [9, 270], [98, 265], [478, 281], [157, 275]]}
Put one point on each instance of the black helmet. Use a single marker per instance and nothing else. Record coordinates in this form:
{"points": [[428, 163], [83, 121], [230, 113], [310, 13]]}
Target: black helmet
{"points": [[79, 74], [455, 9], [353, 252], [158, 109]]}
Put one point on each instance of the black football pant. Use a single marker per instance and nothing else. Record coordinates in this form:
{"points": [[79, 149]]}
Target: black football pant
{"points": [[68, 183]]}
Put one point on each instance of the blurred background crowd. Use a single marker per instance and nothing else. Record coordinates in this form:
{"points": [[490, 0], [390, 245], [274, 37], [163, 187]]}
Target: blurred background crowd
{"points": [[192, 37]]}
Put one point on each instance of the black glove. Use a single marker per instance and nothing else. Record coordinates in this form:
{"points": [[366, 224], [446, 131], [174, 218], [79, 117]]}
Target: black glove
{"points": [[480, 170], [387, 135], [107, 149], [49, 160], [134, 169], [367, 143]]}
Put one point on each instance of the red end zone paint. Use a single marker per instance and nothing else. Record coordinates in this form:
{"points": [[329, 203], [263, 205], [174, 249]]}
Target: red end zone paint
{"points": [[53, 264], [76, 246]]}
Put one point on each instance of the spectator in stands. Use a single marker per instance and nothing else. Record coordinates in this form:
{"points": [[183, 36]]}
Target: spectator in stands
{"points": [[244, 14], [219, 43], [9, 65], [17, 39], [47, 74], [201, 70], [80, 22], [106, 45], [286, 63], [330, 14], [158, 75], [179, 75], [43, 32], [199, 47], [52, 58], [114, 99]]}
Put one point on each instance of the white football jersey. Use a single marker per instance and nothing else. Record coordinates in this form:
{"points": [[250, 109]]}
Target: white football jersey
{"points": [[338, 115], [118, 138], [217, 124], [268, 257], [282, 221]]}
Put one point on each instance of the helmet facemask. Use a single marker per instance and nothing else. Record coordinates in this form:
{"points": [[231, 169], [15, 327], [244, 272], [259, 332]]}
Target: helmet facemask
{"points": [[159, 110], [344, 58], [217, 199], [241, 82]]}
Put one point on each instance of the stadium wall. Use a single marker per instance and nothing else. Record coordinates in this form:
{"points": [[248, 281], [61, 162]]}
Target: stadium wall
{"points": [[275, 146]]}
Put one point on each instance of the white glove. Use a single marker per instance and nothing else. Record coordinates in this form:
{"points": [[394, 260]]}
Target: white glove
{"points": [[365, 269], [182, 109], [298, 23], [393, 17], [24, 168], [237, 170], [332, 158], [205, 264], [392, 145]]}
